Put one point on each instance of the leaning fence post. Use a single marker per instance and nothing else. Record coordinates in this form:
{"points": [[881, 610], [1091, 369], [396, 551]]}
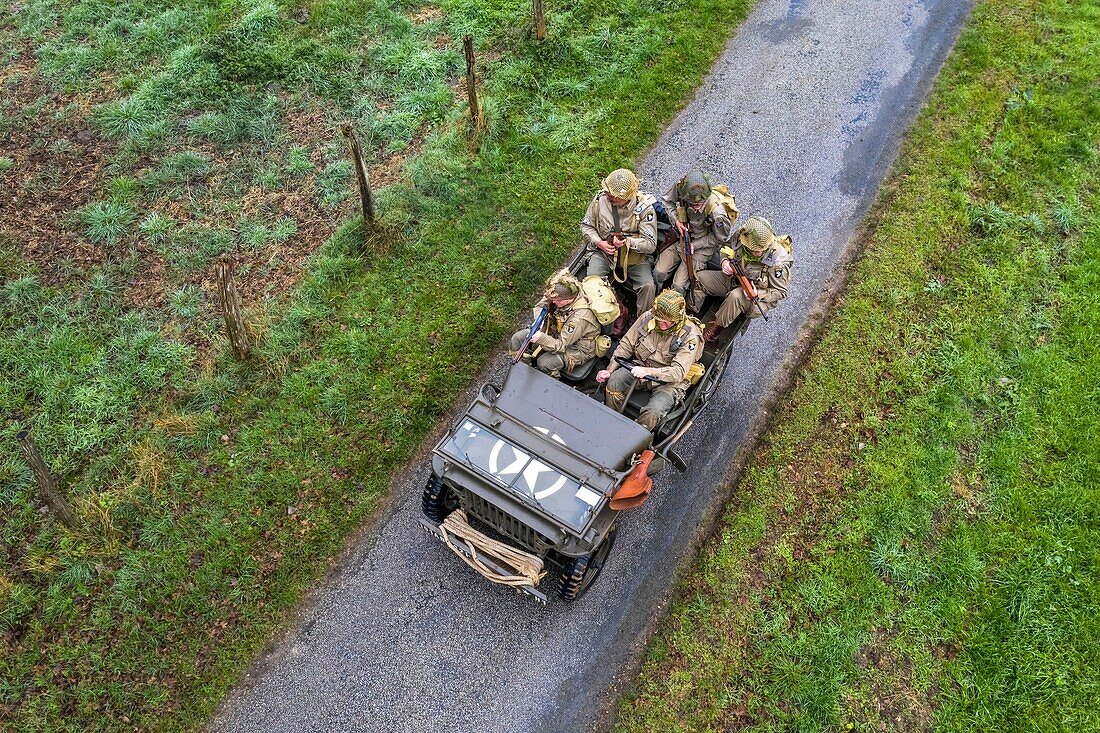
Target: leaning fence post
{"points": [[230, 302], [471, 85], [365, 194], [47, 484], [540, 21]]}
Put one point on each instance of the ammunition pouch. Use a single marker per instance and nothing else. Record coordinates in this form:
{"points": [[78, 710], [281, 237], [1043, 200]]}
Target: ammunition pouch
{"points": [[695, 373]]}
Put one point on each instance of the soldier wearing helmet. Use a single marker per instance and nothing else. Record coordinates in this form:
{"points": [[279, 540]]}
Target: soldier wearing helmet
{"points": [[665, 343], [765, 259], [620, 232], [703, 219], [568, 338]]}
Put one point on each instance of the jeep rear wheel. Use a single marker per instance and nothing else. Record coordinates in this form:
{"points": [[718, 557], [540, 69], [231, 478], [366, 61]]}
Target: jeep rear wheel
{"points": [[578, 573]]}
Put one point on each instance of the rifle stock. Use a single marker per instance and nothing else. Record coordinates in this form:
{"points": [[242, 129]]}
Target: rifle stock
{"points": [[746, 284], [536, 326]]}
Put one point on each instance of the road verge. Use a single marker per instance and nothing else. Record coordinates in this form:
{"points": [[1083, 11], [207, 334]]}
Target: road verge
{"points": [[907, 545]]}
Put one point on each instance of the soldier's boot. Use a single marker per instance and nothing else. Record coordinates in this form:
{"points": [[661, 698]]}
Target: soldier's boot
{"points": [[712, 331]]}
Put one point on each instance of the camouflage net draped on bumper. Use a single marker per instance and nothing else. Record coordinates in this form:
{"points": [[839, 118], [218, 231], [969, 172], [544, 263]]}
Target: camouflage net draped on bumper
{"points": [[528, 569]]}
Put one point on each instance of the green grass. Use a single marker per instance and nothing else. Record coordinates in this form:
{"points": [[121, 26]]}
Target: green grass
{"points": [[213, 494], [914, 546]]}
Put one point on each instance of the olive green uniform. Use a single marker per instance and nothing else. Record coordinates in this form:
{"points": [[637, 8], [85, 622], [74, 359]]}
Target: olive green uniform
{"points": [[709, 229], [771, 275], [568, 340], [638, 222], [672, 354]]}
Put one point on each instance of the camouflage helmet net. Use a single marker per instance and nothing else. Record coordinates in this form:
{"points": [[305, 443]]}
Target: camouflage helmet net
{"points": [[562, 284], [621, 183], [757, 234], [670, 306], [694, 188]]}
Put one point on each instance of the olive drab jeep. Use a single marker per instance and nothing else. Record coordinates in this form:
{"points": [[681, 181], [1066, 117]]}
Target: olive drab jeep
{"points": [[527, 486]]}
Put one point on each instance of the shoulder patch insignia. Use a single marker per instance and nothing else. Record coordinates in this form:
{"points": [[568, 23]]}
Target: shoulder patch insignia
{"points": [[691, 346], [780, 272], [571, 329]]}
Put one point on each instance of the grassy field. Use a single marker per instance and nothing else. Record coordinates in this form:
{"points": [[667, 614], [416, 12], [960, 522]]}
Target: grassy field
{"points": [[139, 140], [914, 546]]}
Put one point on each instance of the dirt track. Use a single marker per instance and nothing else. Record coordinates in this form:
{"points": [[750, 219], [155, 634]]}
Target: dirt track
{"points": [[802, 115]]}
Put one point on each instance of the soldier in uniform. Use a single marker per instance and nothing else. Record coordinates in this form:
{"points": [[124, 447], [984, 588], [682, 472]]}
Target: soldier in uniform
{"points": [[620, 231], [665, 343], [700, 217], [765, 259], [568, 340]]}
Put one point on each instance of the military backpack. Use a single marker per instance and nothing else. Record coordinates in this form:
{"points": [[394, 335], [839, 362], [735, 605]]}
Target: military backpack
{"points": [[601, 299]]}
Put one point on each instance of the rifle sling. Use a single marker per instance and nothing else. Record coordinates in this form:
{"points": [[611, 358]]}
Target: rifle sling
{"points": [[615, 219]]}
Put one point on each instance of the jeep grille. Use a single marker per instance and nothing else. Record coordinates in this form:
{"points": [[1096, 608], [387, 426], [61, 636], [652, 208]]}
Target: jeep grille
{"points": [[501, 523]]}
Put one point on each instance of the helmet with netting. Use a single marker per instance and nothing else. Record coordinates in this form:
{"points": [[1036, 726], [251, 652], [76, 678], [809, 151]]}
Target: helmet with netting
{"points": [[694, 188], [670, 306], [621, 183], [562, 285], [756, 234]]}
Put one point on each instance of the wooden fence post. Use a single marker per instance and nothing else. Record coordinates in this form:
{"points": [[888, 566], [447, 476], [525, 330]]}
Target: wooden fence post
{"points": [[471, 85], [540, 21], [365, 194], [230, 302], [47, 484]]}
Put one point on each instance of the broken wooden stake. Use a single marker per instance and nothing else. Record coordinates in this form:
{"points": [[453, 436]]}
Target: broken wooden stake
{"points": [[471, 85], [540, 21], [230, 302], [47, 484], [365, 194]]}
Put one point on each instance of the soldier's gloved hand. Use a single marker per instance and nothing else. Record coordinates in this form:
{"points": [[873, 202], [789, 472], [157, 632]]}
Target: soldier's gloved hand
{"points": [[603, 375], [727, 268], [537, 337], [641, 372]]}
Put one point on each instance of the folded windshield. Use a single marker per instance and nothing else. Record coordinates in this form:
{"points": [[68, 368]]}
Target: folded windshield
{"points": [[523, 473]]}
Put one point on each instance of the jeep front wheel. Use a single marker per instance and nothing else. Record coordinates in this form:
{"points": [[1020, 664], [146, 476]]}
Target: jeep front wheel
{"points": [[438, 500], [578, 573]]}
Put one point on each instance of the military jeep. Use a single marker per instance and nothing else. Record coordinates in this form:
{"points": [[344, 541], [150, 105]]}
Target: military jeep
{"points": [[532, 473]]}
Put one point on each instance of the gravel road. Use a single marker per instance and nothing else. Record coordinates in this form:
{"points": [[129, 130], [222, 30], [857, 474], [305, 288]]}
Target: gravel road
{"points": [[802, 116]]}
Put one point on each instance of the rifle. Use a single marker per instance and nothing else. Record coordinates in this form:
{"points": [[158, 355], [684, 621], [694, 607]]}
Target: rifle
{"points": [[743, 279], [536, 326], [622, 254], [630, 364], [620, 268], [689, 254]]}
